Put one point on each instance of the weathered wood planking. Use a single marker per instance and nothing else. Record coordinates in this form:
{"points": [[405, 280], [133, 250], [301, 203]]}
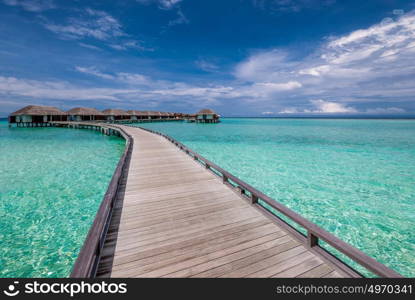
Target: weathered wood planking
{"points": [[179, 220]]}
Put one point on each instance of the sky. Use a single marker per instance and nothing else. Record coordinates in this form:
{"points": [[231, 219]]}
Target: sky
{"points": [[238, 57]]}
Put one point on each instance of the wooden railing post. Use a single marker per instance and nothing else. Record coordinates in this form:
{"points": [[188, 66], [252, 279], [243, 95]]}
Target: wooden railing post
{"points": [[241, 190], [254, 198], [224, 178], [312, 240]]}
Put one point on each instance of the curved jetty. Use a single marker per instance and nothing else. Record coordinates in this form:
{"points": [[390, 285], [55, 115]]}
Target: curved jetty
{"points": [[171, 215]]}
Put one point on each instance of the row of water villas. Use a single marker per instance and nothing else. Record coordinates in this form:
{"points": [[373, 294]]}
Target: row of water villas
{"points": [[41, 116]]}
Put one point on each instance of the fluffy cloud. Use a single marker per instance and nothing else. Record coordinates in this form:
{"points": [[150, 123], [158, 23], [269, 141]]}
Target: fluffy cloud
{"points": [[284, 86], [95, 23], [206, 66], [385, 110], [291, 5], [130, 44], [136, 88], [99, 25], [331, 107], [320, 106], [163, 4], [55, 90], [376, 64], [130, 78], [31, 5], [181, 19]]}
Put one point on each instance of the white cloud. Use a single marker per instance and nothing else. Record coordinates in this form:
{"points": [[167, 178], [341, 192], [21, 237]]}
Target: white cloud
{"points": [[162, 4], [387, 110], [291, 6], [168, 3], [331, 107], [94, 71], [267, 113], [206, 66], [289, 110], [89, 46], [55, 90], [315, 71], [284, 86], [327, 107], [181, 19], [263, 66], [31, 5], [98, 25], [93, 24], [321, 106], [124, 77], [130, 44]]}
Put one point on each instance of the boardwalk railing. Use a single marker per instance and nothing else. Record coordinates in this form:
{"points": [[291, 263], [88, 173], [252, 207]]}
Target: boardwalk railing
{"points": [[314, 232], [87, 262]]}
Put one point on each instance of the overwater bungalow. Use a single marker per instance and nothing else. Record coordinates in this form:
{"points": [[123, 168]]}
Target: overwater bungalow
{"points": [[36, 116], [207, 116], [190, 118], [177, 115], [137, 114], [85, 114], [112, 115], [153, 115], [164, 115]]}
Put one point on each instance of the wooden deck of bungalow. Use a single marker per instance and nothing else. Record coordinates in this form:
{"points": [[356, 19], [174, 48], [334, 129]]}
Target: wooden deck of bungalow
{"points": [[173, 217]]}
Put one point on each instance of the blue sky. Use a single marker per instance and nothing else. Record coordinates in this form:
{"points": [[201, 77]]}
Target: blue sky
{"points": [[239, 57]]}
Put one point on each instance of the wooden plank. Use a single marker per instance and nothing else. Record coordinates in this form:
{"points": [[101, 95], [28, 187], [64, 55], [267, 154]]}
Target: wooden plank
{"points": [[206, 262], [258, 256], [263, 263], [301, 268], [281, 265], [317, 272], [208, 246], [212, 250], [133, 254]]}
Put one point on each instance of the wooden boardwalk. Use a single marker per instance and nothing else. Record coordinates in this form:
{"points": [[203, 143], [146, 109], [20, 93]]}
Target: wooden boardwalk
{"points": [[177, 219]]}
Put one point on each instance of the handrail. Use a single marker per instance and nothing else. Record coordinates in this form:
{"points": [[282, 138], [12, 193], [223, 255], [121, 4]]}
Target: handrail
{"points": [[314, 232], [88, 258]]}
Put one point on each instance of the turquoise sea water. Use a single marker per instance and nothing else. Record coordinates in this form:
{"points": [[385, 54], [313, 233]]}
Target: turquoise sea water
{"points": [[52, 181], [355, 178]]}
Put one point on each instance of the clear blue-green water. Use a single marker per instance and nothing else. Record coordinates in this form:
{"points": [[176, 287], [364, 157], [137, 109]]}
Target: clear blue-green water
{"points": [[355, 178], [52, 181]]}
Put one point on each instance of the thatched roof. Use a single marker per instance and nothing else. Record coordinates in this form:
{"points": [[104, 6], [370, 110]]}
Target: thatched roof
{"points": [[39, 110], [137, 113], [115, 112], [84, 111], [206, 111]]}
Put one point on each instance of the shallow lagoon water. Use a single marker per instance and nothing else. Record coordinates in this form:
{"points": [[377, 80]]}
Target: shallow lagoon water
{"points": [[52, 181], [353, 177]]}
